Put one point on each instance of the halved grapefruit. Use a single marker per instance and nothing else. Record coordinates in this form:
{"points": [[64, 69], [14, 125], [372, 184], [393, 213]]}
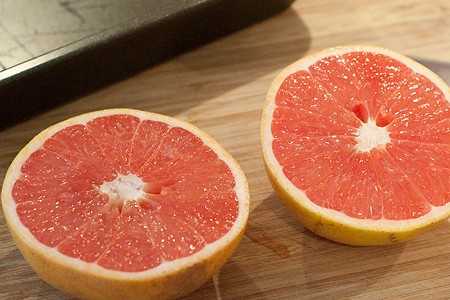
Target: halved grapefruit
{"points": [[125, 204], [356, 141]]}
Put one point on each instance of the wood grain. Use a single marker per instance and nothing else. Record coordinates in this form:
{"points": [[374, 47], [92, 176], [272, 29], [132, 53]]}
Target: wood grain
{"points": [[220, 87]]}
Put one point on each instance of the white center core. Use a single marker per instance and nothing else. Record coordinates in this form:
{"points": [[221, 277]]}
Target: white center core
{"points": [[123, 188], [369, 136]]}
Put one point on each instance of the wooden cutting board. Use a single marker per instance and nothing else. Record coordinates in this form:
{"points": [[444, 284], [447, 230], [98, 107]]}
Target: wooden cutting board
{"points": [[220, 87]]}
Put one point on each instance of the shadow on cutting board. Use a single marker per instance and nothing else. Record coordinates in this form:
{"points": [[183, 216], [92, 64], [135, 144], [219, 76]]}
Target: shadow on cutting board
{"points": [[317, 266]]}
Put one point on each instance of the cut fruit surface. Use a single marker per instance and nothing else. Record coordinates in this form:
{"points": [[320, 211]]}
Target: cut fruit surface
{"points": [[125, 204], [356, 141]]}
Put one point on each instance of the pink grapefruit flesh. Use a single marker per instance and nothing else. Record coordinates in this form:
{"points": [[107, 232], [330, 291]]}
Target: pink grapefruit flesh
{"points": [[363, 132], [128, 191]]}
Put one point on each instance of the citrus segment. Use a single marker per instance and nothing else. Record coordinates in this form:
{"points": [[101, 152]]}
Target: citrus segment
{"points": [[129, 192], [358, 137]]}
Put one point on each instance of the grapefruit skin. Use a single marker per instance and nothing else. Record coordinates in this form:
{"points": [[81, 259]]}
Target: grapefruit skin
{"points": [[83, 280], [329, 228], [325, 222], [95, 285]]}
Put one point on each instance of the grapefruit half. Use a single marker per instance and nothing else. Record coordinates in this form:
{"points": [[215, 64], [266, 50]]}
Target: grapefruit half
{"points": [[125, 204], [356, 142]]}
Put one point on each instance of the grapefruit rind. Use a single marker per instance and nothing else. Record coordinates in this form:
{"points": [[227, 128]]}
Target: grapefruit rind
{"points": [[90, 281], [338, 227], [331, 224]]}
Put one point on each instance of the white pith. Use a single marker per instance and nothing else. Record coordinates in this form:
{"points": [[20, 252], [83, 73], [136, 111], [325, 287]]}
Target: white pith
{"points": [[435, 214], [370, 136], [13, 173], [123, 188]]}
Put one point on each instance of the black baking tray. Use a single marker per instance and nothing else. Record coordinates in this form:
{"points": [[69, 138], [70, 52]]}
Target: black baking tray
{"points": [[147, 33]]}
